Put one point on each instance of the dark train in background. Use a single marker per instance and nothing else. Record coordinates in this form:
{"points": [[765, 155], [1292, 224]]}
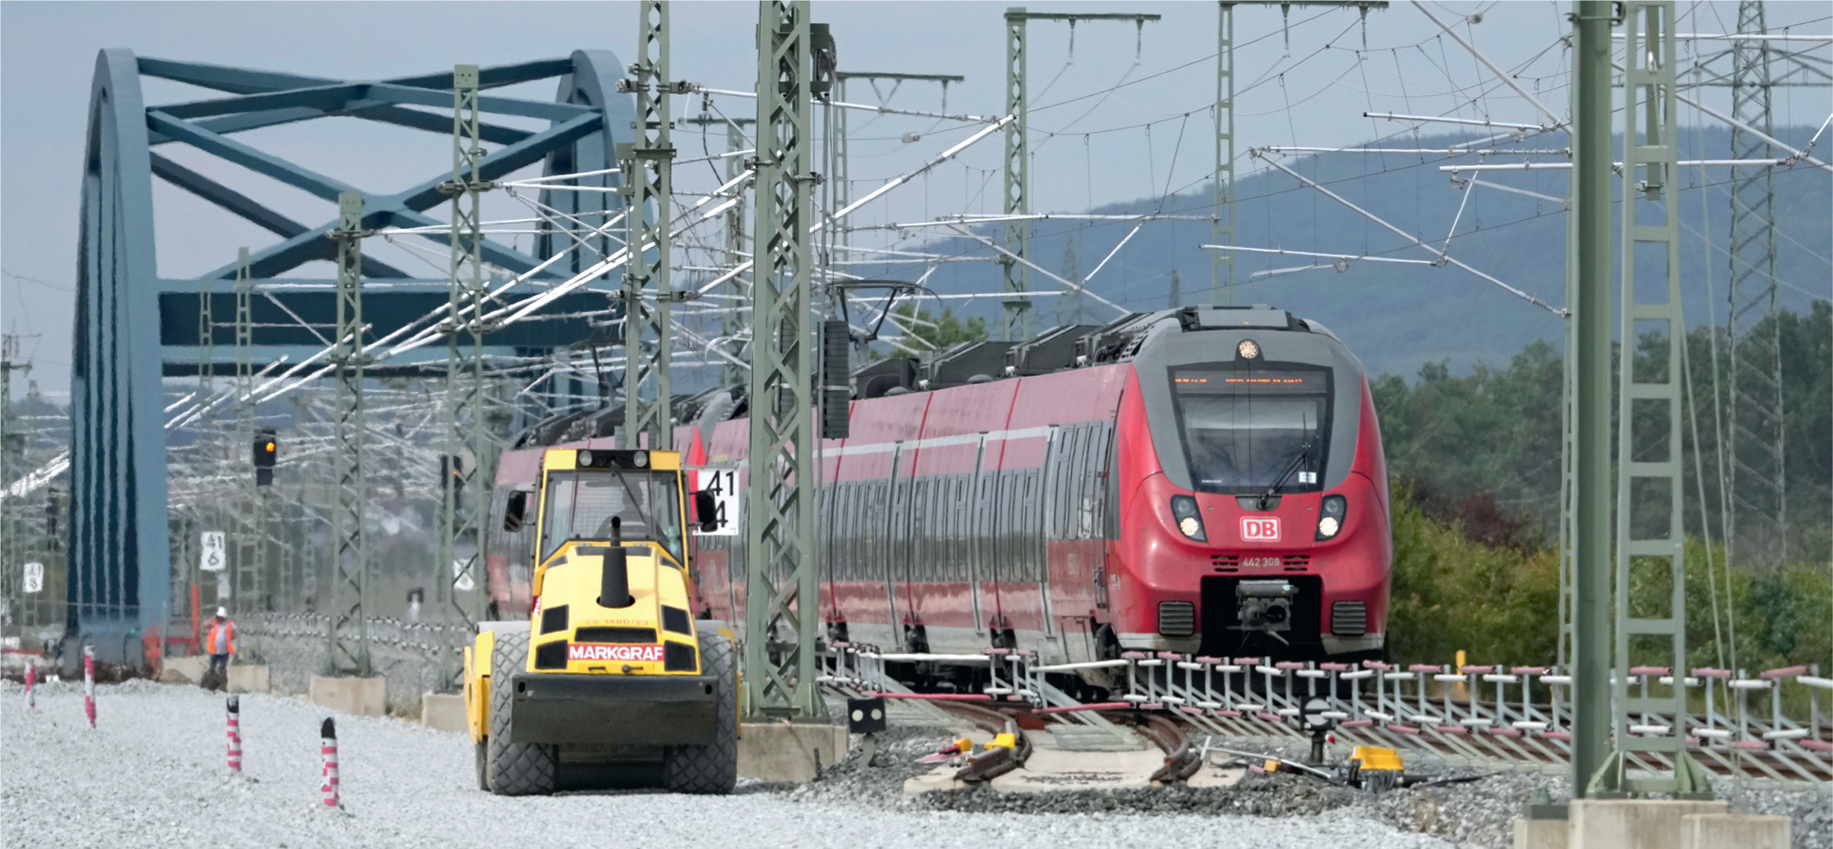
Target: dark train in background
{"points": [[1207, 481]]}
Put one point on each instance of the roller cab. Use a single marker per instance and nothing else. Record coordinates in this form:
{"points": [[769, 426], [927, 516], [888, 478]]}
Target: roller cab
{"points": [[610, 659]]}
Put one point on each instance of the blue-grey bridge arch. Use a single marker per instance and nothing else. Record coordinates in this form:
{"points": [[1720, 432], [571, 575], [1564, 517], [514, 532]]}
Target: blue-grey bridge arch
{"points": [[133, 327]]}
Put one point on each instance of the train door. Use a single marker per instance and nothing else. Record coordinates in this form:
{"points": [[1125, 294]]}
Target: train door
{"points": [[877, 559], [859, 586], [1009, 570], [984, 528], [918, 550], [1042, 483], [825, 526], [960, 539], [1104, 501], [967, 532], [1021, 587], [897, 540], [1072, 569]]}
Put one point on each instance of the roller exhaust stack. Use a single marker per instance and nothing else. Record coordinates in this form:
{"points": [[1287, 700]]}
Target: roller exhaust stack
{"points": [[614, 580]]}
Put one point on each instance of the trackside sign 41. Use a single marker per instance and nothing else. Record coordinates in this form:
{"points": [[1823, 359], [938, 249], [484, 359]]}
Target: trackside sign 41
{"points": [[603, 651]]}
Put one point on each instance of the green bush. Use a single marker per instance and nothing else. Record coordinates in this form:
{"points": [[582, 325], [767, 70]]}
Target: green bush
{"points": [[1500, 603]]}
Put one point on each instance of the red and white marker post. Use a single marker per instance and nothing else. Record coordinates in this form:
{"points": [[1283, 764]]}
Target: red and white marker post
{"points": [[328, 748], [89, 683], [235, 735], [31, 677]]}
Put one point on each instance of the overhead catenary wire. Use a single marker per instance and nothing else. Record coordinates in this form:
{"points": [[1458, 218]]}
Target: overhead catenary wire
{"points": [[1403, 234]]}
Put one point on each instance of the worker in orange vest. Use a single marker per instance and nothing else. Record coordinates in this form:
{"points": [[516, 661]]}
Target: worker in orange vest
{"points": [[219, 641]]}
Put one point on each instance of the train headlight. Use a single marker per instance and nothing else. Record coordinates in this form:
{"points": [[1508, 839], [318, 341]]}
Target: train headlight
{"points": [[1248, 349], [1189, 521], [1335, 510]]}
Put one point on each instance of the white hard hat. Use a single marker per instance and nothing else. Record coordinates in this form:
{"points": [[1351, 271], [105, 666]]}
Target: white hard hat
{"points": [[222, 612]]}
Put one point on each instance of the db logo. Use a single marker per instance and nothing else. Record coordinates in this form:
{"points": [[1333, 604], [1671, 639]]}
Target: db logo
{"points": [[1255, 529]]}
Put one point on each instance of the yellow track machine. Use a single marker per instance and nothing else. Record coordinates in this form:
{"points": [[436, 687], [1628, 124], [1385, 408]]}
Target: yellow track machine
{"points": [[610, 670]]}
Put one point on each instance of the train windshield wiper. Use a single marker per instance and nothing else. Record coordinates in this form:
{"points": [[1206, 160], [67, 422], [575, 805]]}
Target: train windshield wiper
{"points": [[1304, 451]]}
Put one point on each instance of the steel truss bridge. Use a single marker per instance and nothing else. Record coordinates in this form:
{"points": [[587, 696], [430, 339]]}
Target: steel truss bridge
{"points": [[119, 546]]}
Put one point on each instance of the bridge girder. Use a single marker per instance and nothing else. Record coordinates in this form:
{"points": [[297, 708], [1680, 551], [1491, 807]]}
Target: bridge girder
{"points": [[120, 579]]}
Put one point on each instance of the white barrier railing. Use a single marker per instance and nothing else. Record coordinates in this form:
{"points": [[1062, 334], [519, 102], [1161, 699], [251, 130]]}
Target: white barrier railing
{"points": [[1519, 713]]}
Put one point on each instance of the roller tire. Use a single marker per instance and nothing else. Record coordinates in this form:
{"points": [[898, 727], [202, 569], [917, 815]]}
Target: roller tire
{"points": [[711, 769], [514, 769]]}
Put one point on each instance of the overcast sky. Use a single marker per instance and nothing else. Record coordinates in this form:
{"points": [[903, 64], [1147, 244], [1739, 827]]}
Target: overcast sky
{"points": [[1125, 113]]}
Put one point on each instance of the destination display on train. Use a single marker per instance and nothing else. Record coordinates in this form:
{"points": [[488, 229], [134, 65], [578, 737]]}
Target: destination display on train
{"points": [[1230, 381]]}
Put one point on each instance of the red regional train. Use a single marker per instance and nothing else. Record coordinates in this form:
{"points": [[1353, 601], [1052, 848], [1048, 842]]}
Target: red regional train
{"points": [[1207, 481]]}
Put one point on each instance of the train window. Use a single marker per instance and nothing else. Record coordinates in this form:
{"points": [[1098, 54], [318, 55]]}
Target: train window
{"points": [[861, 530], [843, 529], [930, 527], [1108, 506], [1076, 519], [883, 499], [1071, 490], [1057, 479], [1030, 524], [938, 528], [1062, 480], [964, 486], [1008, 518], [1248, 430], [919, 531], [981, 522], [943, 546], [900, 527], [938, 533], [856, 530], [945, 527], [962, 534]]}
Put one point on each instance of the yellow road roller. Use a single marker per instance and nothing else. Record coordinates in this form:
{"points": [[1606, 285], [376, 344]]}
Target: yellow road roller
{"points": [[610, 679]]}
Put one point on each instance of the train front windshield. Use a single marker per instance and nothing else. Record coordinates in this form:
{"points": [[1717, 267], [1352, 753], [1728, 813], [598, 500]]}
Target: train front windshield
{"points": [[1244, 430], [581, 505]]}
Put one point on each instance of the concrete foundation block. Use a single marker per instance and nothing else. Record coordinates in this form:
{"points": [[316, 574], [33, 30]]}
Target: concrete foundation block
{"points": [[1633, 823], [183, 670], [248, 679], [783, 751], [1540, 834], [360, 696], [443, 712], [1746, 831]]}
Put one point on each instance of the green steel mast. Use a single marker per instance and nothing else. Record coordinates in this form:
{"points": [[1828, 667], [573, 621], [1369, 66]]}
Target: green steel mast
{"points": [[648, 293], [464, 490], [782, 592], [348, 630]]}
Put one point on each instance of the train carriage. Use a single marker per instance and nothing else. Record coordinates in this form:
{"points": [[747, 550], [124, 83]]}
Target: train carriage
{"points": [[1204, 481]]}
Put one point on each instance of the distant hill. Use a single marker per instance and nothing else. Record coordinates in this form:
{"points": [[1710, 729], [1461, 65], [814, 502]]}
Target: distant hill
{"points": [[1399, 317]]}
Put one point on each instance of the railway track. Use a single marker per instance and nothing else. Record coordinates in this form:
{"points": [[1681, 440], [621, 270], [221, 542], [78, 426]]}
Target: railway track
{"points": [[1516, 718]]}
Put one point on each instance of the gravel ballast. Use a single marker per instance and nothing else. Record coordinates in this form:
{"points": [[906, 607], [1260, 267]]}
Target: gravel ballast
{"points": [[152, 774]]}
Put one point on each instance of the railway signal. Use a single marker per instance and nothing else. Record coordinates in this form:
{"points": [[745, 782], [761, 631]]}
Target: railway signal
{"points": [[266, 450], [452, 479]]}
